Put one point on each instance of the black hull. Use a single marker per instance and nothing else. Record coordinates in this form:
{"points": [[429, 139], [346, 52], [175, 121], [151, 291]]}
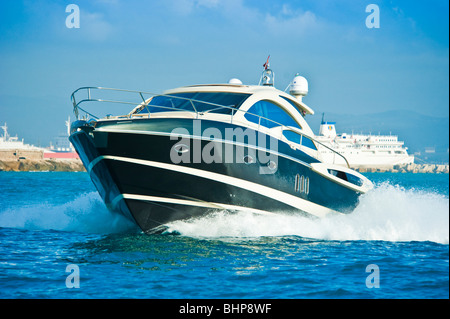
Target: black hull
{"points": [[135, 175]]}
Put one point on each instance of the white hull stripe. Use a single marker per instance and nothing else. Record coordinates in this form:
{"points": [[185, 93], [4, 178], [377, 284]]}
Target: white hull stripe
{"points": [[187, 203], [291, 200], [206, 138]]}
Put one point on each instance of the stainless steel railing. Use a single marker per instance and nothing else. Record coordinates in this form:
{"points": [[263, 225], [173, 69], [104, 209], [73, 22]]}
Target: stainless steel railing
{"points": [[143, 102]]}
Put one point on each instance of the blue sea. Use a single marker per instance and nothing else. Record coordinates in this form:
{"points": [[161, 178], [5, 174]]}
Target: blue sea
{"points": [[58, 240]]}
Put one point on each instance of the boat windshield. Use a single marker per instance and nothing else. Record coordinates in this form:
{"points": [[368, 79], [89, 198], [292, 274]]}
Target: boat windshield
{"points": [[270, 115], [299, 139], [202, 101]]}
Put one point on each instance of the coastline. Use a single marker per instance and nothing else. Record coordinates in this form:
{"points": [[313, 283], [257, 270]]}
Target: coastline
{"points": [[42, 165], [407, 168], [75, 165]]}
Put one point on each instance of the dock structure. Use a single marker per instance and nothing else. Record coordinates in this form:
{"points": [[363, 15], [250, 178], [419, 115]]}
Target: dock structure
{"points": [[42, 165], [408, 168]]}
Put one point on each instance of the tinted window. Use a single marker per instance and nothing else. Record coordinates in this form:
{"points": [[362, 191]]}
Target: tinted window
{"points": [[270, 114], [290, 102], [347, 177], [292, 136], [182, 101], [306, 141], [296, 138]]}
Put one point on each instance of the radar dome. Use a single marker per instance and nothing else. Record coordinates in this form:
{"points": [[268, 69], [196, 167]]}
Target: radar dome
{"points": [[235, 81], [298, 87]]}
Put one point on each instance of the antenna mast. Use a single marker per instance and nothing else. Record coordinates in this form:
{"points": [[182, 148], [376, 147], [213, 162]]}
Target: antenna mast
{"points": [[267, 76]]}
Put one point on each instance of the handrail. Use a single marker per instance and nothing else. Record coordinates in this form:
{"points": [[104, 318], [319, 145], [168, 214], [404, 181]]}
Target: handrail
{"points": [[345, 159], [145, 103]]}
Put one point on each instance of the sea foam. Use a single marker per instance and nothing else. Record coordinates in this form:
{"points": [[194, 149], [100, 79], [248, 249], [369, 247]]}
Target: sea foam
{"points": [[86, 213], [388, 212]]}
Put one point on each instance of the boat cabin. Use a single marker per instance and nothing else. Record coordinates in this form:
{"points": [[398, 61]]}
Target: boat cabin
{"points": [[257, 107]]}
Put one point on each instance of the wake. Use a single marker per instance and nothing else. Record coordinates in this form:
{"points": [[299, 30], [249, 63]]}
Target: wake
{"points": [[388, 213], [86, 213]]}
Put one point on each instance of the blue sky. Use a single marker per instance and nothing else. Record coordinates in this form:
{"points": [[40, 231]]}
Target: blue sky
{"points": [[157, 45]]}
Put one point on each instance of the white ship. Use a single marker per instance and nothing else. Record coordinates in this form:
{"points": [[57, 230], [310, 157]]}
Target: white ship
{"points": [[8, 142], [374, 151], [61, 148], [13, 149]]}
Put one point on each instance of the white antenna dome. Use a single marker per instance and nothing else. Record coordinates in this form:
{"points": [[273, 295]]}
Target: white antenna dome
{"points": [[298, 87], [235, 81]]}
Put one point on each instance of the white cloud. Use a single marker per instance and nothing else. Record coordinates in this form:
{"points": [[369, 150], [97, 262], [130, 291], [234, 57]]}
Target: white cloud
{"points": [[286, 10], [287, 20], [187, 7], [108, 2], [181, 7], [401, 16], [94, 27], [291, 22], [208, 3]]}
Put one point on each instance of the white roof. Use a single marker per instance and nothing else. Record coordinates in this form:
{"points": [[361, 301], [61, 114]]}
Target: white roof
{"points": [[247, 89]]}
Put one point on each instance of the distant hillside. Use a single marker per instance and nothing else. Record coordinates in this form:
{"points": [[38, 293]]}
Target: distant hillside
{"points": [[421, 133]]}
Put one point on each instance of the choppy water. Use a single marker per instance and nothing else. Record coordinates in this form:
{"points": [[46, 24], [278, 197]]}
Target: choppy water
{"points": [[49, 221]]}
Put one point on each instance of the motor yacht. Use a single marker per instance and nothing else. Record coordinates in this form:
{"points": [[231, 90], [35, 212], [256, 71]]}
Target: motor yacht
{"points": [[197, 149]]}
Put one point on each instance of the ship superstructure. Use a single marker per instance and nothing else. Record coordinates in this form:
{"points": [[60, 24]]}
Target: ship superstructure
{"points": [[362, 150]]}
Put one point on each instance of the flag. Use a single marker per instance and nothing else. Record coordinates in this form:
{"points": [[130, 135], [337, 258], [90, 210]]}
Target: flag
{"points": [[266, 65]]}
